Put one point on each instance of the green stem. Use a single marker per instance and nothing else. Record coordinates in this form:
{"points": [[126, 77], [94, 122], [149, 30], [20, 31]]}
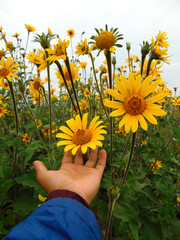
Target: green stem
{"points": [[72, 83], [148, 66], [15, 107], [130, 158], [34, 119], [109, 64], [49, 96], [6, 128], [65, 83], [94, 71], [142, 62]]}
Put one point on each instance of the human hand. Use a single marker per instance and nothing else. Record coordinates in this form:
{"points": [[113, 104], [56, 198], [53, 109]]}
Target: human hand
{"points": [[76, 177]]}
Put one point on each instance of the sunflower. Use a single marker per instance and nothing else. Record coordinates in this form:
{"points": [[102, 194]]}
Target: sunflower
{"points": [[176, 101], [45, 131], [35, 85], [9, 46], [38, 58], [82, 47], [178, 201], [59, 51], [106, 40], [2, 53], [74, 71], [7, 69], [83, 64], [134, 101], [86, 92], [4, 84], [16, 35], [162, 39], [50, 32], [156, 165], [30, 28], [3, 111], [71, 33], [78, 136], [25, 138], [83, 104]]}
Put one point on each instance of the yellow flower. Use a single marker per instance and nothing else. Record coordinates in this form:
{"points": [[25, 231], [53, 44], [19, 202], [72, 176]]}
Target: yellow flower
{"points": [[50, 32], [2, 53], [86, 92], [36, 97], [82, 47], [25, 138], [39, 123], [38, 58], [4, 84], [144, 142], [30, 28], [35, 85], [74, 71], [106, 39], [59, 51], [78, 136], [178, 201], [16, 35], [156, 165], [54, 129], [45, 131], [41, 198], [83, 104], [176, 101], [7, 69], [83, 64], [103, 68], [162, 39], [134, 102], [71, 33], [9, 46], [1, 28], [3, 111]]}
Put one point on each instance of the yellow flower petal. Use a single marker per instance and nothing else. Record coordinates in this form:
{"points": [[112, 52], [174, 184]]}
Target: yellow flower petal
{"points": [[84, 149], [84, 121], [66, 130], [74, 150], [64, 142], [64, 136], [150, 117]]}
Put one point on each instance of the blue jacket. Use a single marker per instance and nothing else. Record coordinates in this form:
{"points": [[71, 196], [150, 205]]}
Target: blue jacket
{"points": [[58, 218]]}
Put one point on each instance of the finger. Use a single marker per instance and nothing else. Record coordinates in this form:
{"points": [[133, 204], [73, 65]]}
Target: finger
{"points": [[67, 158], [102, 161], [40, 169], [78, 157], [92, 158]]}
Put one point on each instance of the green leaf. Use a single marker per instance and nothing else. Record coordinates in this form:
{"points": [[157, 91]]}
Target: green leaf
{"points": [[31, 149], [134, 229], [5, 185], [29, 180], [125, 211]]}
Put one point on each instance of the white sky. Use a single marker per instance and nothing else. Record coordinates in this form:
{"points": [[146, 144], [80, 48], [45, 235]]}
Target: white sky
{"points": [[137, 20]]}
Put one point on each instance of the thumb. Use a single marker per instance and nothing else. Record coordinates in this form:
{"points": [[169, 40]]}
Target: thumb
{"points": [[40, 168]]}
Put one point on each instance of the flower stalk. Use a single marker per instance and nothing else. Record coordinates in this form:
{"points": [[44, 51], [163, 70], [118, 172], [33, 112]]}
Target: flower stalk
{"points": [[94, 71]]}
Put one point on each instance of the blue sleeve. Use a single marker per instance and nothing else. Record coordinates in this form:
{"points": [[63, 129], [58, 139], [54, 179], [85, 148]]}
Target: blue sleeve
{"points": [[58, 218]]}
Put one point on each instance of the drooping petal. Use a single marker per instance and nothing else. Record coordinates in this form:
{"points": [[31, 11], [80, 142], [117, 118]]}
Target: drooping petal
{"points": [[74, 150], [150, 117], [142, 122], [84, 149], [68, 147], [124, 120]]}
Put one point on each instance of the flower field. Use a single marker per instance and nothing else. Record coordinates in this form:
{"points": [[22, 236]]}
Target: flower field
{"points": [[128, 110]]}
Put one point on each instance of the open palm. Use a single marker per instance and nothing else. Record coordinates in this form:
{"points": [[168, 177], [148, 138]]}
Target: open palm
{"points": [[74, 176]]}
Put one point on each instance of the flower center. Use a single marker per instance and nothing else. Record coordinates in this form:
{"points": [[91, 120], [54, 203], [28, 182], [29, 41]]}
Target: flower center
{"points": [[134, 105], [3, 72], [1, 110], [105, 40], [59, 51], [82, 136], [37, 85]]}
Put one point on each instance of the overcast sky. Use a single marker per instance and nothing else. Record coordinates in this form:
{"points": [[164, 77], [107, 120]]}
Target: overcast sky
{"points": [[137, 20]]}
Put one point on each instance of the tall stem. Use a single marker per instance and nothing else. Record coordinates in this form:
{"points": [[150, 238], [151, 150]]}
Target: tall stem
{"points": [[49, 97], [130, 158], [109, 64], [15, 107], [94, 71], [148, 66], [72, 83], [66, 85]]}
